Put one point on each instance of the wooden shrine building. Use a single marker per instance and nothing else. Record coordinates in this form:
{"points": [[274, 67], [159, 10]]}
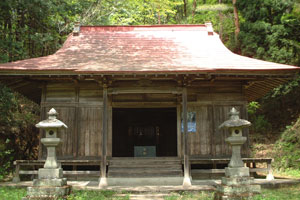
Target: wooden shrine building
{"points": [[142, 100]]}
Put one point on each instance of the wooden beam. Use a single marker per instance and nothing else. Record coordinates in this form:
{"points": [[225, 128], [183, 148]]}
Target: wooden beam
{"points": [[86, 172], [187, 180], [144, 104], [71, 104], [148, 90]]}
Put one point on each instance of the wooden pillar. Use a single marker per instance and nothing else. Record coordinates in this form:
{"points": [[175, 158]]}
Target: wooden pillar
{"points": [[16, 177], [179, 135], [187, 180], [42, 117], [270, 171], [76, 121], [103, 179]]}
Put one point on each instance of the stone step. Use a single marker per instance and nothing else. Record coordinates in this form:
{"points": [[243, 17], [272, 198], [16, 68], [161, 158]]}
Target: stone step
{"points": [[143, 162], [153, 170], [144, 167], [145, 181], [151, 167], [144, 170], [144, 174]]}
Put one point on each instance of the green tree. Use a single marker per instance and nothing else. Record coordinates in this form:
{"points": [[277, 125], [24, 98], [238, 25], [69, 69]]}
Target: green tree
{"points": [[220, 13], [270, 30], [132, 12], [35, 28], [18, 135]]}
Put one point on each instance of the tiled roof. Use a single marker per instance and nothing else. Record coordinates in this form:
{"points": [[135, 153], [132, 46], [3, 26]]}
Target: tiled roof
{"points": [[144, 49]]}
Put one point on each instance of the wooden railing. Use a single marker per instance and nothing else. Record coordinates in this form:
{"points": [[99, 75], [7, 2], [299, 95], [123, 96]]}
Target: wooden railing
{"points": [[23, 165], [250, 162], [35, 164]]}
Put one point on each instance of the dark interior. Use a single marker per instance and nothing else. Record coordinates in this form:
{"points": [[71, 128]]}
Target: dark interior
{"points": [[137, 129]]}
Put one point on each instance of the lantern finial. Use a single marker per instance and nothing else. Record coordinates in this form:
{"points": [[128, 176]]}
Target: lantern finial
{"points": [[234, 114], [52, 113]]}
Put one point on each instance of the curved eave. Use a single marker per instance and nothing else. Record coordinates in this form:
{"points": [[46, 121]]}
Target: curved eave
{"points": [[262, 72]]}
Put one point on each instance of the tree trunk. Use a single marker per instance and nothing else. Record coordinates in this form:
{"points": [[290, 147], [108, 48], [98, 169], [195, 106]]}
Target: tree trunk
{"points": [[220, 22], [158, 18], [236, 20], [10, 38], [158, 15], [184, 8], [194, 10]]}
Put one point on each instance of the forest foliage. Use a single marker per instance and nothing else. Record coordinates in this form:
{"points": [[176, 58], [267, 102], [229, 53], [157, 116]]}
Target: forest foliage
{"points": [[18, 135], [268, 30]]}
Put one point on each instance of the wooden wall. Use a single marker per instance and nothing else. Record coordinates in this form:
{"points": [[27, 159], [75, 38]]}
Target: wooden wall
{"points": [[80, 107], [208, 140], [212, 103]]}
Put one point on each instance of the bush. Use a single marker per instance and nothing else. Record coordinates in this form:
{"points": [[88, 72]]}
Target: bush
{"points": [[287, 148], [18, 135], [6, 159], [260, 125]]}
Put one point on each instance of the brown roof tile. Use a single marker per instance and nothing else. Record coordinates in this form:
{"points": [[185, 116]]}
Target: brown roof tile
{"points": [[144, 49]]}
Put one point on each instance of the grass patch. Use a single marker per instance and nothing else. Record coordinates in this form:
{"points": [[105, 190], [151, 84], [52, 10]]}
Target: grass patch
{"points": [[96, 195], [12, 193], [290, 193], [289, 173], [191, 196]]}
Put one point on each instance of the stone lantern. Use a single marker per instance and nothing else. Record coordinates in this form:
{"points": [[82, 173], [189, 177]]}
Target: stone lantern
{"points": [[237, 183], [51, 125], [236, 140], [50, 182]]}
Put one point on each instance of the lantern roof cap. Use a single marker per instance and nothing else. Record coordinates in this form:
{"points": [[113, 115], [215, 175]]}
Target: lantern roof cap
{"points": [[51, 122], [234, 121]]}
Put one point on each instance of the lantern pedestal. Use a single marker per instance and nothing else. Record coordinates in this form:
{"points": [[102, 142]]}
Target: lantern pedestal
{"points": [[237, 172], [237, 188]]}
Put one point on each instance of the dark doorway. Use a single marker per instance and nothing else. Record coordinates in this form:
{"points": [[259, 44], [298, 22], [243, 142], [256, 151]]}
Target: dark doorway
{"points": [[144, 132]]}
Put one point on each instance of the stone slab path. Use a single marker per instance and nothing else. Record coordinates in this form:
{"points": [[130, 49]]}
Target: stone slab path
{"points": [[159, 192], [198, 185]]}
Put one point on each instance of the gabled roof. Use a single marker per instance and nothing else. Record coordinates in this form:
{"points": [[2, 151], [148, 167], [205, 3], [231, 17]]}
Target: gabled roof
{"points": [[144, 49]]}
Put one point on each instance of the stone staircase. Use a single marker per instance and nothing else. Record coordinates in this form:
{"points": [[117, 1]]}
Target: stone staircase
{"points": [[145, 171]]}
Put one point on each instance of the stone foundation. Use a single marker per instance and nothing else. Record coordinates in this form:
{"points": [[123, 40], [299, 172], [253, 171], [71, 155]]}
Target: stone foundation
{"points": [[48, 189], [50, 185], [50, 173], [237, 187]]}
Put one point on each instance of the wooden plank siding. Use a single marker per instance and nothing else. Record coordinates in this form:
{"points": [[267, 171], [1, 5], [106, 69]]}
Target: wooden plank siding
{"points": [[65, 148], [80, 107], [90, 140], [200, 141], [214, 101]]}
